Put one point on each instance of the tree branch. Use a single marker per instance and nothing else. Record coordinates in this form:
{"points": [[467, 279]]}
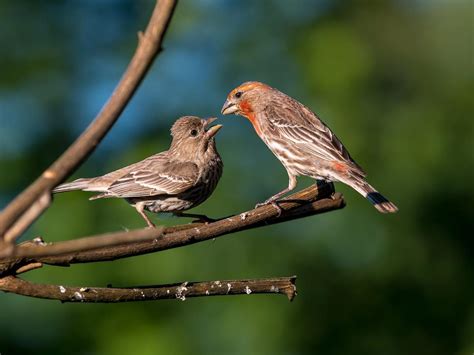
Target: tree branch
{"points": [[149, 46], [25, 220], [182, 291], [29, 205], [304, 203], [38, 247]]}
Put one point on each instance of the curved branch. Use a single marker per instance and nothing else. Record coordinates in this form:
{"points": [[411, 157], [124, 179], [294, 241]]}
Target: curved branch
{"points": [[180, 291], [304, 203], [149, 46]]}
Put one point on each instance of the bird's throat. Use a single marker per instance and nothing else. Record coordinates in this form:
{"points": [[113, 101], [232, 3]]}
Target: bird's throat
{"points": [[248, 112]]}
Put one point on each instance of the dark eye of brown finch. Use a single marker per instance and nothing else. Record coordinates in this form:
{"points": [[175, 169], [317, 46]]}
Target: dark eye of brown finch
{"points": [[194, 133]]}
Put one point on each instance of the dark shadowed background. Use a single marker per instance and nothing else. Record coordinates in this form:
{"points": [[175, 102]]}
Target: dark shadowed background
{"points": [[393, 79]]}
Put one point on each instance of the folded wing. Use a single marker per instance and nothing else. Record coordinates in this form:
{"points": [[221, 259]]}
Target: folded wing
{"points": [[295, 123], [171, 178]]}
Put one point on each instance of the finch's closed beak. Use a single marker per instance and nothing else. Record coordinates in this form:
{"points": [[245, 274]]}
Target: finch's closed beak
{"points": [[229, 108], [211, 132]]}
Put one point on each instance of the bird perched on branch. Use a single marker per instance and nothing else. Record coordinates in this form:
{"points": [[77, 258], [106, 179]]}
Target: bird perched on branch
{"points": [[172, 181], [300, 140]]}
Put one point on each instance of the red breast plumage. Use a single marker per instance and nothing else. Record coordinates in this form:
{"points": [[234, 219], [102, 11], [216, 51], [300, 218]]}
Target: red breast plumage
{"points": [[300, 140]]}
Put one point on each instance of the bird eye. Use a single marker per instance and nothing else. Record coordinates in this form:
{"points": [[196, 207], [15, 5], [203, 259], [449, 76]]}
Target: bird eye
{"points": [[194, 133], [238, 94]]}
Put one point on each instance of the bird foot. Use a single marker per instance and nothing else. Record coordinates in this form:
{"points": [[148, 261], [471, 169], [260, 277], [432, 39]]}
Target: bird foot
{"points": [[278, 208], [266, 202], [274, 203]]}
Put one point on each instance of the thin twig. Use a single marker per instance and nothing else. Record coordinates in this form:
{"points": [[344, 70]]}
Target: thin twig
{"points": [[180, 291], [27, 218], [7, 245], [149, 46], [302, 204], [28, 267], [87, 243]]}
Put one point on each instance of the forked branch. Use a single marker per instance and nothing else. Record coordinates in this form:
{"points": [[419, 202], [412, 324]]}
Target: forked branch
{"points": [[148, 47], [27, 206], [307, 202]]}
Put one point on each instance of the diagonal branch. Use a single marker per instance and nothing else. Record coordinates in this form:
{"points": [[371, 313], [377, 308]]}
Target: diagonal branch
{"points": [[304, 203], [181, 291], [27, 218], [149, 46]]}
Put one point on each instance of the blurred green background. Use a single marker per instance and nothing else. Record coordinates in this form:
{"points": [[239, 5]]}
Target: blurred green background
{"points": [[393, 79]]}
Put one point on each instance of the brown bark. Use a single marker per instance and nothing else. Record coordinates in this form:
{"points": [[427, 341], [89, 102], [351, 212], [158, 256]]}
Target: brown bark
{"points": [[181, 291], [149, 46], [29, 205], [304, 203]]}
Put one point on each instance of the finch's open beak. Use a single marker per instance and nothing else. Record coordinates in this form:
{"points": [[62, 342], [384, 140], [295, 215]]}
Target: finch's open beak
{"points": [[211, 132], [229, 108]]}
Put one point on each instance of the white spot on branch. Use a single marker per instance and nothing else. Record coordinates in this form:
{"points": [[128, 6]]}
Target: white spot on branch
{"points": [[180, 292], [248, 291], [39, 241], [62, 289]]}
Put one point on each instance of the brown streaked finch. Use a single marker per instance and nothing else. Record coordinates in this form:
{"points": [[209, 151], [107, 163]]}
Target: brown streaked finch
{"points": [[175, 180], [300, 140]]}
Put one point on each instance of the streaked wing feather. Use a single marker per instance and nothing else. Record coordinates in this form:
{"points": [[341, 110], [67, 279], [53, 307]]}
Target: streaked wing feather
{"points": [[171, 179], [296, 123]]}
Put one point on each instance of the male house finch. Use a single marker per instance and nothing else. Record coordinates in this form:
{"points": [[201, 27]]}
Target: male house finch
{"points": [[300, 140], [172, 181]]}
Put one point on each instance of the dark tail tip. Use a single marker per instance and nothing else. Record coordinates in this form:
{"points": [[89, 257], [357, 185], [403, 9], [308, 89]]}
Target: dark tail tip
{"points": [[381, 203]]}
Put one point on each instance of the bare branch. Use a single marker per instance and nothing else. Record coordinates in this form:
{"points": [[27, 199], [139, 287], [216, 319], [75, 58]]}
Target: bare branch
{"points": [[28, 267], [149, 46], [302, 204], [87, 243], [26, 219], [181, 291]]}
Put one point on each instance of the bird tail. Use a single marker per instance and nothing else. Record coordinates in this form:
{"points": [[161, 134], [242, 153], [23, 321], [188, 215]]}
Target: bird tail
{"points": [[352, 175], [79, 184], [381, 203]]}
